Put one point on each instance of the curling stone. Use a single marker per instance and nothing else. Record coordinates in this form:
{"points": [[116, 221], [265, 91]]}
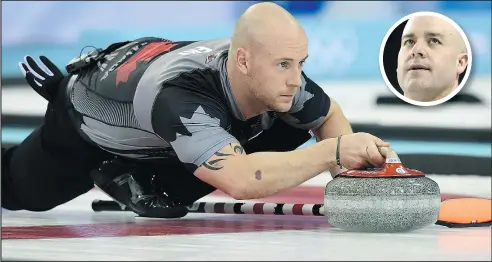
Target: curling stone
{"points": [[382, 200]]}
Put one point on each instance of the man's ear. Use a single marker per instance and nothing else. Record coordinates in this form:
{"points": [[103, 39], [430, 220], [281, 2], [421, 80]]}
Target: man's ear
{"points": [[242, 58], [462, 63]]}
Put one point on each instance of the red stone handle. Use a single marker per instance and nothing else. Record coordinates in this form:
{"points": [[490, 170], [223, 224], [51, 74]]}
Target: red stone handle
{"points": [[392, 168]]}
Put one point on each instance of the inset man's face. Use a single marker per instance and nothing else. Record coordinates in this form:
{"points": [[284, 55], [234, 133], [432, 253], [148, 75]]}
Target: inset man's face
{"points": [[431, 58]]}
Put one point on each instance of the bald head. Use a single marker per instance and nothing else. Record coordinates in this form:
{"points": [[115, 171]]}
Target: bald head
{"points": [[262, 23], [436, 25], [266, 57]]}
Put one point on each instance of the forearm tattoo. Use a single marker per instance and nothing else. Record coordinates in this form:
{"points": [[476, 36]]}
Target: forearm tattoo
{"points": [[215, 164]]}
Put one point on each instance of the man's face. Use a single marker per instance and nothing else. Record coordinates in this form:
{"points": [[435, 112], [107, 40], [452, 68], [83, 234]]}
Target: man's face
{"points": [[275, 71], [430, 58]]}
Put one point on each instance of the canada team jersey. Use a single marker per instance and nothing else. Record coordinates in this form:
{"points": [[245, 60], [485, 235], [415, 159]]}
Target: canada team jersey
{"points": [[154, 98]]}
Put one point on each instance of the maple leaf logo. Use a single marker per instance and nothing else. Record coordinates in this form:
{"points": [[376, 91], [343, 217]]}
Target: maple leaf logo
{"points": [[145, 54], [199, 120]]}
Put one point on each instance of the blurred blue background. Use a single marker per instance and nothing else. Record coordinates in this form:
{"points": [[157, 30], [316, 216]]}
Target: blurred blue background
{"points": [[345, 37], [344, 45]]}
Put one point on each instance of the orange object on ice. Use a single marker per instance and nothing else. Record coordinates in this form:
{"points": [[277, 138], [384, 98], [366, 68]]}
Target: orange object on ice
{"points": [[465, 212]]}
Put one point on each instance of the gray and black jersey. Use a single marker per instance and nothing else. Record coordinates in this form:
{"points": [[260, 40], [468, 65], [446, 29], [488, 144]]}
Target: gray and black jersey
{"points": [[154, 98]]}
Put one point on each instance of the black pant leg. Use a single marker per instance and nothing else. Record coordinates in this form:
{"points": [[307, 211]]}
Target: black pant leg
{"points": [[179, 183], [51, 166]]}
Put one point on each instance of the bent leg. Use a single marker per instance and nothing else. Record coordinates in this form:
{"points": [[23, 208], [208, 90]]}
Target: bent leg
{"points": [[180, 184]]}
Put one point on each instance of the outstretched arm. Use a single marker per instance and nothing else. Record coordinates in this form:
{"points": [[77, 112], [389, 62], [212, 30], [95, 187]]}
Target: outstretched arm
{"points": [[262, 174], [197, 132]]}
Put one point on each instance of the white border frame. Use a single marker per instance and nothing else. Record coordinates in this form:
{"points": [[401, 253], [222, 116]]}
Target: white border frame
{"points": [[452, 94]]}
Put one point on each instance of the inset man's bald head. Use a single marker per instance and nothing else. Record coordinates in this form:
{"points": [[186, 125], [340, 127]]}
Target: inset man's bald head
{"points": [[439, 26], [432, 56]]}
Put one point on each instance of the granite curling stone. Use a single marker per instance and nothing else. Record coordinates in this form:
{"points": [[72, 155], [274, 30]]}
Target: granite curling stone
{"points": [[382, 200]]}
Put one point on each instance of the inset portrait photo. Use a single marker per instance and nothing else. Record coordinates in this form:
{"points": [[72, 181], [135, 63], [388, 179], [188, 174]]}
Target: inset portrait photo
{"points": [[425, 58]]}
